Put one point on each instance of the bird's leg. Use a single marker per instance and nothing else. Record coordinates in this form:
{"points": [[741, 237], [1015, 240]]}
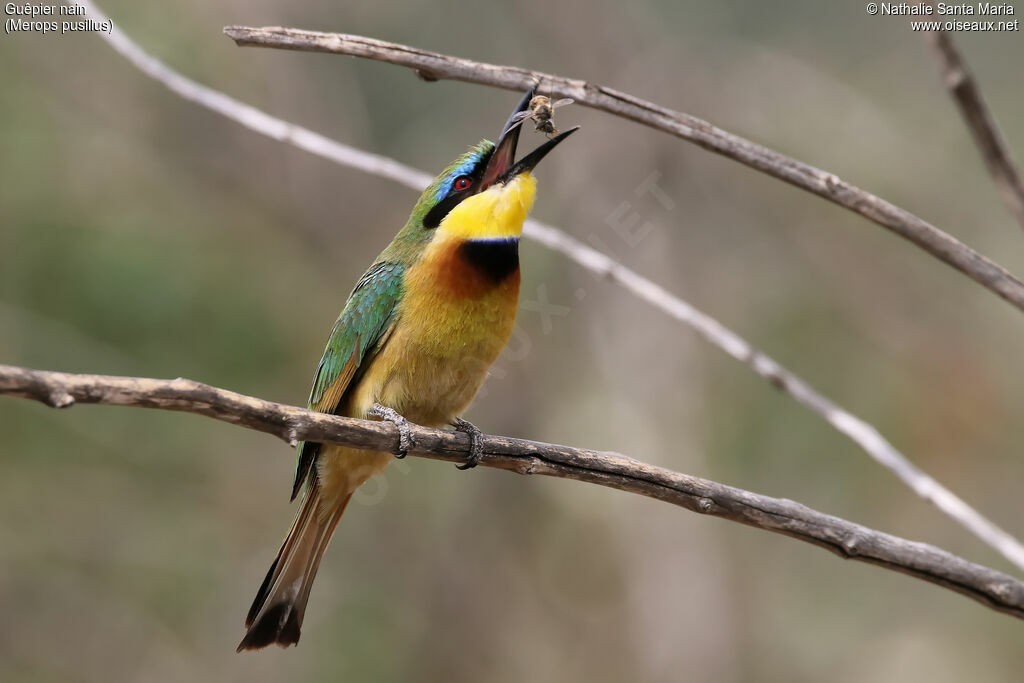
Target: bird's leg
{"points": [[405, 440], [476, 449]]}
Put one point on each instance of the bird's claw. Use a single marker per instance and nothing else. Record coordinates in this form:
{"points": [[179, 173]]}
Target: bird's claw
{"points": [[476, 449], [405, 440]]}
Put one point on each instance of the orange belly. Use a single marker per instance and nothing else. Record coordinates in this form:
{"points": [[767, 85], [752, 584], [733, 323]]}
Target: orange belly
{"points": [[451, 325]]}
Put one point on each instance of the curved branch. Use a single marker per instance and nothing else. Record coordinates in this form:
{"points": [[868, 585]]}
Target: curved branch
{"points": [[857, 430], [994, 151], [434, 66], [848, 540]]}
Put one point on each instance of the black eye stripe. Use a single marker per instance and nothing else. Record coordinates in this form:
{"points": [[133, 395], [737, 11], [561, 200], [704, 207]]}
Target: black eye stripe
{"points": [[438, 212], [442, 209]]}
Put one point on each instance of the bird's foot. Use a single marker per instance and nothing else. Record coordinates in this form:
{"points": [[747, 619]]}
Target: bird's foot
{"points": [[476, 449], [405, 440]]}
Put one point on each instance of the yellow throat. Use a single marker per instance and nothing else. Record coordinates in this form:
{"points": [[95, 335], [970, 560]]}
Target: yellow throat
{"points": [[496, 213]]}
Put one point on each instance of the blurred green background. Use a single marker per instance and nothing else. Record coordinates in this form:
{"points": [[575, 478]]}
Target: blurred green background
{"points": [[143, 235]]}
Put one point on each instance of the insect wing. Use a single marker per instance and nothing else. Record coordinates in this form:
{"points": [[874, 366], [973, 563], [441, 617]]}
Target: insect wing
{"points": [[517, 119]]}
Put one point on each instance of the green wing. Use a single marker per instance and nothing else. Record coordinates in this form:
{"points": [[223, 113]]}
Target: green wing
{"points": [[358, 334]]}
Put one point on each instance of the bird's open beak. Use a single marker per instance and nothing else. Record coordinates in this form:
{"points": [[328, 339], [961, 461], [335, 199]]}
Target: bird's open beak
{"points": [[502, 166]]}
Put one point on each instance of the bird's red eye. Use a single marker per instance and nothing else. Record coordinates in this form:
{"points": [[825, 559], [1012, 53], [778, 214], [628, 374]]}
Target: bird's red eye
{"points": [[463, 182]]}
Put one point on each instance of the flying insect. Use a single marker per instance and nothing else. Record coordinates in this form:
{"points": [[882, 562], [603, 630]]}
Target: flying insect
{"points": [[542, 110]]}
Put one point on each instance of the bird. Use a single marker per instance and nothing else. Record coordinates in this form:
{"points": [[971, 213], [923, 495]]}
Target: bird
{"points": [[414, 343]]}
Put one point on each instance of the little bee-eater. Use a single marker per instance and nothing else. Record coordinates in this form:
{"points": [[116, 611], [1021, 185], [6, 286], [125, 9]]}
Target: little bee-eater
{"points": [[415, 340]]}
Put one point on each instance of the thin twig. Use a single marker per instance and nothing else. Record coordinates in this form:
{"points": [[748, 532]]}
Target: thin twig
{"points": [[250, 117], [846, 539], [856, 429], [436, 66], [994, 151]]}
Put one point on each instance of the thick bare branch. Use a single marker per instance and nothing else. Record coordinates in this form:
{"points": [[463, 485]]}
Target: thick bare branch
{"points": [[433, 66], [846, 539], [994, 151], [851, 426]]}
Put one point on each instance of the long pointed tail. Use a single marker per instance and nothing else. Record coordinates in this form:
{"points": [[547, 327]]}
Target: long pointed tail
{"points": [[276, 613]]}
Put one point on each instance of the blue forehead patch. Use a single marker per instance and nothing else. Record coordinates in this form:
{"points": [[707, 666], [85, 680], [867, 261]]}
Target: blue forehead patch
{"points": [[464, 166]]}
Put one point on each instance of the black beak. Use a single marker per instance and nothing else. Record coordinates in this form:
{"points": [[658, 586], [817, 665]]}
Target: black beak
{"points": [[533, 158], [502, 166]]}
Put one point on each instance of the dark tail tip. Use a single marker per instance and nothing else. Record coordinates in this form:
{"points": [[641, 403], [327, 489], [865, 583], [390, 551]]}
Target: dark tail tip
{"points": [[262, 595], [279, 624]]}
